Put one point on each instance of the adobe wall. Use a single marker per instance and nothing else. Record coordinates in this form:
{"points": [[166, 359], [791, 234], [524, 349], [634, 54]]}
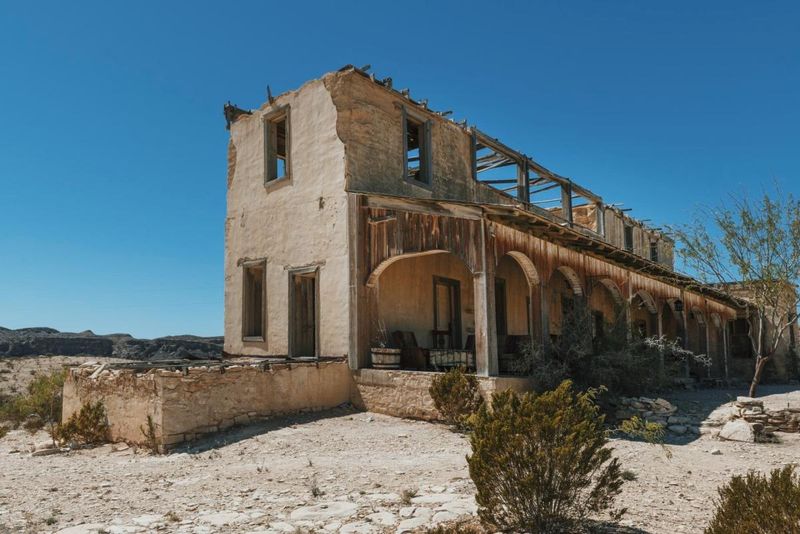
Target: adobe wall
{"points": [[291, 223], [405, 393]]}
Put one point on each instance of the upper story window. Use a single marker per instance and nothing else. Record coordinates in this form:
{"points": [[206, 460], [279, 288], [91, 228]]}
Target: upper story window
{"points": [[628, 238], [277, 146], [654, 251], [417, 148]]}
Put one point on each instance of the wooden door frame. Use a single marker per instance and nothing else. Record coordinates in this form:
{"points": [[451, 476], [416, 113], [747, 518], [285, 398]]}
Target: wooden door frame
{"points": [[312, 270], [455, 335]]}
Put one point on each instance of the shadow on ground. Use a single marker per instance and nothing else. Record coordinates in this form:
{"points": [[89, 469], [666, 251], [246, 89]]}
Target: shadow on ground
{"points": [[240, 433]]}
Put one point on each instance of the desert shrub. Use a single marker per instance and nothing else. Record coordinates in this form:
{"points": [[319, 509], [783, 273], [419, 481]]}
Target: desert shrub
{"points": [[757, 504], [42, 399], [456, 396], [88, 426], [647, 431], [150, 437], [547, 372], [3, 431], [540, 463]]}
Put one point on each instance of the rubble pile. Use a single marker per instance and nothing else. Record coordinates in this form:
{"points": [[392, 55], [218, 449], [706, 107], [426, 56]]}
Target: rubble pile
{"points": [[769, 421], [658, 411]]}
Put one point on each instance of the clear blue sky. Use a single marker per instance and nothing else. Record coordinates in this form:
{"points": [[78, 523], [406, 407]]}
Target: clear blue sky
{"points": [[112, 146]]}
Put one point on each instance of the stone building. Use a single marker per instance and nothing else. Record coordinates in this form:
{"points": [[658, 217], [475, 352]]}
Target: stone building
{"points": [[369, 238], [359, 217]]}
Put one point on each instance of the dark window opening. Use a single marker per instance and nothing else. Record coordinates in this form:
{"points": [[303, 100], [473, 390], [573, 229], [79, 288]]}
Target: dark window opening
{"points": [[628, 238], [417, 143], [277, 147], [740, 339], [254, 299], [654, 251]]}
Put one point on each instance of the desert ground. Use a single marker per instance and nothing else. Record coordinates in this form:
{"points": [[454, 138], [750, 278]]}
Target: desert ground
{"points": [[342, 471]]}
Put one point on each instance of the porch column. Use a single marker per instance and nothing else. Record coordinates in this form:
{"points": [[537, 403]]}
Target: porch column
{"points": [[362, 300], [485, 317], [726, 345]]}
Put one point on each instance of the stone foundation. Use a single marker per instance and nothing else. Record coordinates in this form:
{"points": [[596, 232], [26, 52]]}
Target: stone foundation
{"points": [[187, 403], [405, 393]]}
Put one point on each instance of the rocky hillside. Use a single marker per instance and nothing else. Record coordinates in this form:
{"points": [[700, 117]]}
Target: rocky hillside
{"points": [[49, 341]]}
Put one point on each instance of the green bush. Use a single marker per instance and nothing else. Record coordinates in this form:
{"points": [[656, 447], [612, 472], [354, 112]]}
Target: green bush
{"points": [[456, 396], [42, 399], [540, 463], [88, 426], [756, 504], [547, 372]]}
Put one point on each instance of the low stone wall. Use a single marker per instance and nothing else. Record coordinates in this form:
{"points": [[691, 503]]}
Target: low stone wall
{"points": [[185, 404], [405, 393], [129, 398]]}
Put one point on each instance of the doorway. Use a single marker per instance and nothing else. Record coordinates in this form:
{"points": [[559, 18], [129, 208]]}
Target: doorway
{"points": [[446, 313], [303, 313]]}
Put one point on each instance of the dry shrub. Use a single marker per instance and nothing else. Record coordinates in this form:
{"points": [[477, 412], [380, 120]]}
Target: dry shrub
{"points": [[540, 463], [42, 400], [88, 426], [456, 396], [757, 504]]}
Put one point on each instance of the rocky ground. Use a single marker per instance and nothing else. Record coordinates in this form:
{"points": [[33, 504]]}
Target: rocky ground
{"points": [[343, 471]]}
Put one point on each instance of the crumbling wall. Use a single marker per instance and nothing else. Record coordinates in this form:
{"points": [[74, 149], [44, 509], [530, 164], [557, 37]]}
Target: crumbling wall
{"points": [[129, 398], [405, 393], [370, 124], [187, 403], [207, 400]]}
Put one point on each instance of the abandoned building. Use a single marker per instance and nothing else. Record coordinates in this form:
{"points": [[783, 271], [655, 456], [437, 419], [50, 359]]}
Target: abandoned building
{"points": [[359, 218], [369, 238]]}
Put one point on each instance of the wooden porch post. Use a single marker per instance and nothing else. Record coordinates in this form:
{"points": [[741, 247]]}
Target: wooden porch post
{"points": [[361, 298], [485, 325]]}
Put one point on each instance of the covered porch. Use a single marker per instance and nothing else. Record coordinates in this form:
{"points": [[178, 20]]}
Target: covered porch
{"points": [[452, 284]]}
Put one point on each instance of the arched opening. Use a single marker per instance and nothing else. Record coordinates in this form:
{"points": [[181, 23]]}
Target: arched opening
{"points": [[671, 323], [644, 315], [423, 304], [607, 312], [516, 307], [696, 328], [564, 301]]}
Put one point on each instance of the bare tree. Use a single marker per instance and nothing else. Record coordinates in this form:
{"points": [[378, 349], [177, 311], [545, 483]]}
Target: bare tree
{"points": [[751, 250]]}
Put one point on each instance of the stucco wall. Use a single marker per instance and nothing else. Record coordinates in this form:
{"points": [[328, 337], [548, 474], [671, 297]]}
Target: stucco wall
{"points": [[405, 393], [295, 223]]}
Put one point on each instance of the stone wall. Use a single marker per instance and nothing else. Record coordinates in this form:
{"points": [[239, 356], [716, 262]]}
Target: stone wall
{"points": [[186, 404], [405, 393], [129, 398]]}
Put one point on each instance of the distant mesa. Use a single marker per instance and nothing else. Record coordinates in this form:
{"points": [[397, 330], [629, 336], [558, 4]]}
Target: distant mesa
{"points": [[35, 341]]}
